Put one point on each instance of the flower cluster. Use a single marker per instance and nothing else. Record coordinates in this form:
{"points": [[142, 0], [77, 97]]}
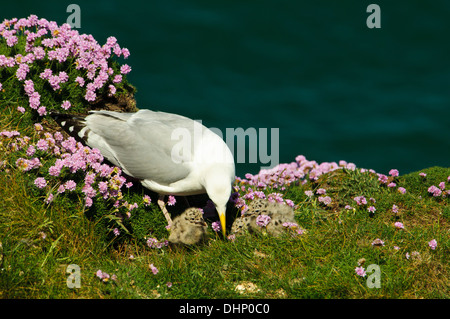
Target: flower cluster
{"points": [[440, 190], [390, 181], [103, 276], [69, 166], [155, 243], [45, 57], [295, 229]]}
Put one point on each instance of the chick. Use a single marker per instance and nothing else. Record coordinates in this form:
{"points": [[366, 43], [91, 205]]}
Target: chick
{"points": [[278, 213], [188, 228]]}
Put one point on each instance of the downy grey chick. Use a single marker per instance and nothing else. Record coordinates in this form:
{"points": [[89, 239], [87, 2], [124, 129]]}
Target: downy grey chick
{"points": [[278, 213], [188, 228]]}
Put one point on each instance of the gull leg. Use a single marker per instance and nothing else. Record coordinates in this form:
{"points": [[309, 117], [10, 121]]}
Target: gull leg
{"points": [[162, 205], [186, 201]]}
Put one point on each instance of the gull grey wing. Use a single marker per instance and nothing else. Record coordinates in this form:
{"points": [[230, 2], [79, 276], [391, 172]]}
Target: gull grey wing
{"points": [[138, 142]]}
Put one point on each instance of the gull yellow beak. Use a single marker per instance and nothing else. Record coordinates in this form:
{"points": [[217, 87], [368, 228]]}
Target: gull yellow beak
{"points": [[222, 222]]}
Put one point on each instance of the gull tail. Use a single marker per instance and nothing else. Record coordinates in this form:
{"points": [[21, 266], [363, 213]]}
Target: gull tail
{"points": [[74, 125]]}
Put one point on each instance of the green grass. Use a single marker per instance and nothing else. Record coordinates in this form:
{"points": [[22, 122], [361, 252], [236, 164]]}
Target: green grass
{"points": [[319, 264]]}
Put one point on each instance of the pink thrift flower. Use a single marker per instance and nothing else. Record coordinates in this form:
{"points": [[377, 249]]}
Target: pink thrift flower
{"points": [[216, 226], [42, 111], [395, 209], [393, 172], [371, 209], [70, 185], [171, 201], [309, 193], [124, 69], [442, 185], [80, 81], [422, 174], [49, 198], [392, 184], [66, 105], [147, 200], [402, 190], [326, 200], [21, 109], [434, 190], [153, 269], [360, 200], [399, 225], [89, 202], [382, 178], [433, 244], [289, 203], [40, 182], [360, 271]]}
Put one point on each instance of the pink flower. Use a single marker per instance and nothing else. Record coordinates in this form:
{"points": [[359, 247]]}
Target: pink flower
{"points": [[360, 271], [147, 200], [46, 74], [42, 145], [326, 200], [433, 244], [309, 193], [395, 209], [360, 200], [153, 269], [66, 105], [289, 202], [80, 81], [382, 178], [171, 201], [31, 150], [40, 182], [392, 184], [117, 78], [70, 185], [442, 185], [402, 190], [112, 90], [399, 225], [21, 109], [321, 191], [103, 276], [42, 111], [422, 174], [49, 198], [393, 172], [371, 209], [216, 226], [22, 71], [434, 190], [124, 69]]}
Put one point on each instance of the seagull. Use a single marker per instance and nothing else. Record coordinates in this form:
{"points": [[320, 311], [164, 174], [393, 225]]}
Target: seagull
{"points": [[168, 153], [188, 228]]}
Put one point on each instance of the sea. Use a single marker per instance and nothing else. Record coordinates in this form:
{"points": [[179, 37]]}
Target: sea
{"points": [[330, 80]]}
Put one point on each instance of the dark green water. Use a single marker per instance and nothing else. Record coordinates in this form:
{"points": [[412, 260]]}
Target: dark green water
{"points": [[335, 88]]}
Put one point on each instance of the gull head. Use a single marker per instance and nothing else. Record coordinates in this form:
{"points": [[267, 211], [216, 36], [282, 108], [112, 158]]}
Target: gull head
{"points": [[218, 187]]}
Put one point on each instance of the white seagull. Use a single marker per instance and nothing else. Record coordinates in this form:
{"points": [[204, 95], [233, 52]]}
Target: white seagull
{"points": [[170, 154]]}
